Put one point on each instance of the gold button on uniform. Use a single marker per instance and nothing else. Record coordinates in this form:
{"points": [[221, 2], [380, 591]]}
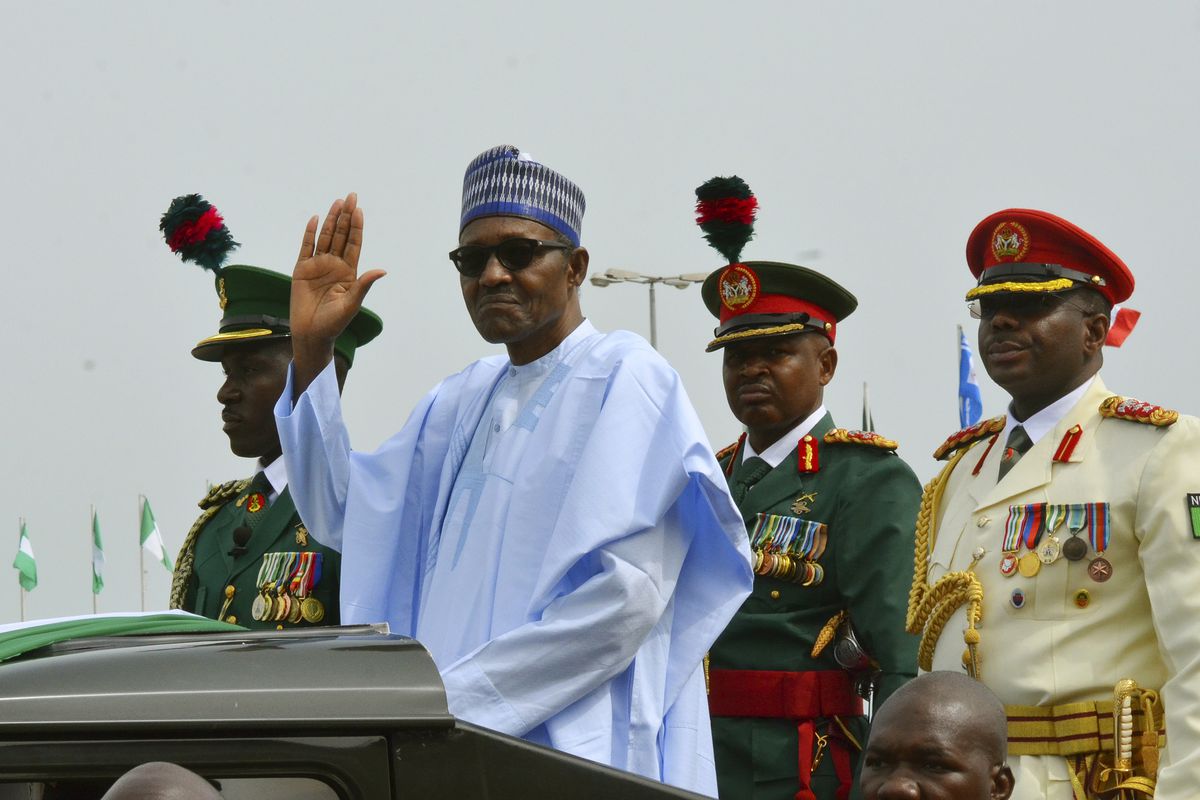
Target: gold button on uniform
{"points": [[774, 594], [229, 590], [231, 619], [278, 627]]}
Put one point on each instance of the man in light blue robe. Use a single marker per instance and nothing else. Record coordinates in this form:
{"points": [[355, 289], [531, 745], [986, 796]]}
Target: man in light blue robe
{"points": [[552, 525]]}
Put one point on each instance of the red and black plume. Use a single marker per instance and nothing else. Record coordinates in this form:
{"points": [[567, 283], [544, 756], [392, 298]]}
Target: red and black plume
{"points": [[725, 209], [195, 231]]}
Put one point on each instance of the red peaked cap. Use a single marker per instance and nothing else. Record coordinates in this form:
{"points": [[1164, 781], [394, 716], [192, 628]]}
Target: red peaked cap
{"points": [[1023, 245]]}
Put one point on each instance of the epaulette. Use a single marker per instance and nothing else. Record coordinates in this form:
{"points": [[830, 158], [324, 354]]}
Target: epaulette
{"points": [[223, 493], [727, 451], [969, 436], [844, 436], [1127, 408]]}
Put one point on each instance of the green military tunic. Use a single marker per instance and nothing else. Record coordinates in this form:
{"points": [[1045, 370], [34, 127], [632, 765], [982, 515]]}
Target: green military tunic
{"points": [[868, 499], [217, 576]]}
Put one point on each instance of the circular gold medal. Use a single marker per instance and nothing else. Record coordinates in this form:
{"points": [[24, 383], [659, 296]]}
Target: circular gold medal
{"points": [[1049, 550], [294, 613], [1029, 564], [312, 610], [283, 605]]}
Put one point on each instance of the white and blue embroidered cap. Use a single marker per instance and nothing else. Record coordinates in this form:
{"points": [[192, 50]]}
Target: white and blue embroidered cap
{"points": [[503, 181]]}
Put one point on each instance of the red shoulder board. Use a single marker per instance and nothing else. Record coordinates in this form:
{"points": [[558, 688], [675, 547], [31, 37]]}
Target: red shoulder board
{"points": [[1136, 411], [969, 436], [869, 438]]}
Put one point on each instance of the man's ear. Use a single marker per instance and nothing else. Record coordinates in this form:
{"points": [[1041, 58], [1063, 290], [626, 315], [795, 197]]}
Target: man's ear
{"points": [[828, 364], [577, 266], [1095, 332], [1003, 782]]}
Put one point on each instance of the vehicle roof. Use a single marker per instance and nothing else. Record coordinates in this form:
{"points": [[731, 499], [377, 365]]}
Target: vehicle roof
{"points": [[346, 677]]}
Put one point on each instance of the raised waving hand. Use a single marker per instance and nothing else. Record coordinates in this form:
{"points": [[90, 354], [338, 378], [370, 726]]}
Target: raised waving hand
{"points": [[327, 290]]}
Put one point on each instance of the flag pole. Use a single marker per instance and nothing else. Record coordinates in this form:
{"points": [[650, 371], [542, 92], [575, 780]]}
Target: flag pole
{"points": [[93, 532], [141, 553], [20, 586]]}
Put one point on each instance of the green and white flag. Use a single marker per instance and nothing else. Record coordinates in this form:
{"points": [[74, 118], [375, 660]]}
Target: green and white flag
{"points": [[25, 564], [152, 540], [97, 556]]}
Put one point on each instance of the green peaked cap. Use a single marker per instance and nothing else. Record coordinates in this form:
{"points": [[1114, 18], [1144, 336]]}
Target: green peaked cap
{"points": [[756, 299], [256, 303]]}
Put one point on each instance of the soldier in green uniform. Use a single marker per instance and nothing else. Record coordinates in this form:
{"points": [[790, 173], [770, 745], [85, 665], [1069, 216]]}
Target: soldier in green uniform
{"points": [[830, 514], [249, 559]]}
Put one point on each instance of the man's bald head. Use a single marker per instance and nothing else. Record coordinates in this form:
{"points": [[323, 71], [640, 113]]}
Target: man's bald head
{"points": [[941, 735], [159, 780]]}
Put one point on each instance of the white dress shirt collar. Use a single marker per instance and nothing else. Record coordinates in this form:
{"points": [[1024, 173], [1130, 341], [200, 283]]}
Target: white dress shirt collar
{"points": [[1042, 422], [276, 474], [777, 452]]}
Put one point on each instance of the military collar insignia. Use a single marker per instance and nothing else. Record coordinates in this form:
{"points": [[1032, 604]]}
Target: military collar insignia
{"points": [[1010, 241], [808, 457], [870, 438], [1067, 446], [969, 436], [738, 286], [1127, 408]]}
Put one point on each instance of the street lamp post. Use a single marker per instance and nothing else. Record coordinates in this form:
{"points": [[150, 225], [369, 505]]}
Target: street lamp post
{"points": [[612, 276]]}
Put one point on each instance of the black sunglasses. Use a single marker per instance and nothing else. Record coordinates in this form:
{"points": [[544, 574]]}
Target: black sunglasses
{"points": [[513, 254], [1022, 305]]}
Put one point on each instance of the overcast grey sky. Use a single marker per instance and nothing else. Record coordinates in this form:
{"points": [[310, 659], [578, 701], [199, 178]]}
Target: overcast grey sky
{"points": [[877, 133]]}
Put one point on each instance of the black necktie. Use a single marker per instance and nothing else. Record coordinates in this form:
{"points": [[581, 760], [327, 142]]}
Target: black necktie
{"points": [[749, 473], [1017, 445]]}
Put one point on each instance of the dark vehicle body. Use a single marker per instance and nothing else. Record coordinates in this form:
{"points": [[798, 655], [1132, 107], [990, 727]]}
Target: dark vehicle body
{"points": [[348, 712]]}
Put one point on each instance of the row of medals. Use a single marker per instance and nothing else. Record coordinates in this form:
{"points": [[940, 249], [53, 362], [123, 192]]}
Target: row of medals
{"points": [[788, 568], [272, 605], [1049, 551]]}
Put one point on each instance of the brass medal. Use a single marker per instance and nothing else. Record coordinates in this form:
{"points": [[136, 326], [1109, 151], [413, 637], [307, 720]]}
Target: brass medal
{"points": [[1029, 564], [1049, 550], [294, 614], [312, 610]]}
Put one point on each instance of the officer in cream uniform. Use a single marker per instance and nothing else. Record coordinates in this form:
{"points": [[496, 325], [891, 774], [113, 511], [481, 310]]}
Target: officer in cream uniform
{"points": [[1058, 551]]}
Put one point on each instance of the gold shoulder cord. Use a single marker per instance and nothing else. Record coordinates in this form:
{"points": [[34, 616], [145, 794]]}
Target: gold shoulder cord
{"points": [[930, 607], [185, 562]]}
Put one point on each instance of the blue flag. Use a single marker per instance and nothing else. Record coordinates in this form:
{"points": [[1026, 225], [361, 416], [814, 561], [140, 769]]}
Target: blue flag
{"points": [[970, 402]]}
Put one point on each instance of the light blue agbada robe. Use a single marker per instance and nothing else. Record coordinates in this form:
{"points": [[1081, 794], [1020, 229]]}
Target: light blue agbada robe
{"points": [[558, 535]]}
